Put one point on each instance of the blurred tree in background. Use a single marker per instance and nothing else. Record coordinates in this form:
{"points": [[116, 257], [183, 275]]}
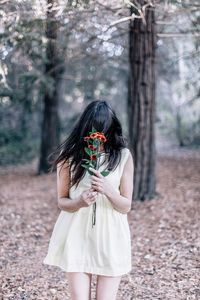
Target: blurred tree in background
{"points": [[50, 124], [141, 99], [178, 71]]}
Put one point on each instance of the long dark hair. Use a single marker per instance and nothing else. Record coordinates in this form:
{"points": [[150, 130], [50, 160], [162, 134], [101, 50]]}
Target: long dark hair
{"points": [[102, 117]]}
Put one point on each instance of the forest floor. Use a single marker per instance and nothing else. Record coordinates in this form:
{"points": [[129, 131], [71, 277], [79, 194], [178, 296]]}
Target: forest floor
{"points": [[165, 235]]}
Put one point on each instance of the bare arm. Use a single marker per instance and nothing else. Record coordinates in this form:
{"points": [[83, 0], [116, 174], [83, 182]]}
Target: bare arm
{"points": [[63, 183], [86, 198], [122, 202]]}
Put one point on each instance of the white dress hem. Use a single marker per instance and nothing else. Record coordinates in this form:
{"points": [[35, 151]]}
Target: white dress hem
{"points": [[88, 269]]}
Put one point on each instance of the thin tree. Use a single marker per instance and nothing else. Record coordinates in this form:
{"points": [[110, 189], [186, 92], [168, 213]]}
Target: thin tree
{"points": [[50, 134], [141, 101]]}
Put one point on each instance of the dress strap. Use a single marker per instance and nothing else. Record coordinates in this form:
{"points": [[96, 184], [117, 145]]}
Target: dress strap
{"points": [[125, 154]]}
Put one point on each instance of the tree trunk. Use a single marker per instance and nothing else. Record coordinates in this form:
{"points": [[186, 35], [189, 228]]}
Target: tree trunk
{"points": [[141, 104], [50, 134], [179, 127]]}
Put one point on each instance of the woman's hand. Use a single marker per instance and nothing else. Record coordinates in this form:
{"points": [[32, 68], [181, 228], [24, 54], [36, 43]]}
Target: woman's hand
{"points": [[87, 198], [99, 183]]}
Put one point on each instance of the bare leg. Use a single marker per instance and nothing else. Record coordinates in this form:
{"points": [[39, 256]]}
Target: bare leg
{"points": [[79, 285], [107, 287]]}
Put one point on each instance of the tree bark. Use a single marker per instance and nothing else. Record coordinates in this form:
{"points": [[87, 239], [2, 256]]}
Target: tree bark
{"points": [[141, 104], [50, 125]]}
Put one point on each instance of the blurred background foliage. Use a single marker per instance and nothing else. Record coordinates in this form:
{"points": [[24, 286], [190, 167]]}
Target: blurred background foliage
{"points": [[93, 63]]}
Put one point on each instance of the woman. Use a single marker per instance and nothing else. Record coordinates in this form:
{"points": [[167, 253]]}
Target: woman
{"points": [[75, 246]]}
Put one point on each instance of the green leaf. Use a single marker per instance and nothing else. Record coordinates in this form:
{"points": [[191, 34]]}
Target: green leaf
{"points": [[87, 160], [88, 151], [87, 168], [93, 129], [105, 173], [90, 172]]}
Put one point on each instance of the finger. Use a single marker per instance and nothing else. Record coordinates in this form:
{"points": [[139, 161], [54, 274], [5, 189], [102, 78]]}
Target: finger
{"points": [[94, 185], [93, 199], [96, 172], [94, 194], [91, 196], [94, 181], [96, 188], [94, 177], [93, 189]]}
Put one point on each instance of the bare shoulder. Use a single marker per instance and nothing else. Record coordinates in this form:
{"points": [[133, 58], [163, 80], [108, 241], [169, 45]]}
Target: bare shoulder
{"points": [[64, 163], [63, 168]]}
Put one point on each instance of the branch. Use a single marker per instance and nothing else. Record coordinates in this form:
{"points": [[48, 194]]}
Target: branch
{"points": [[133, 16], [177, 35]]}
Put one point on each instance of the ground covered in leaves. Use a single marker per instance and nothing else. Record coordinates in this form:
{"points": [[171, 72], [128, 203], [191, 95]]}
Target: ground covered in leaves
{"points": [[165, 235]]}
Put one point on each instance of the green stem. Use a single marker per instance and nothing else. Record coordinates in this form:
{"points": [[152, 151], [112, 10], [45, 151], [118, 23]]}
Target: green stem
{"points": [[94, 204]]}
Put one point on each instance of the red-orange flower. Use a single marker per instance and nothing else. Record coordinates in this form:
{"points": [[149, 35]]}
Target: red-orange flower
{"points": [[91, 147], [98, 135], [86, 138], [93, 157], [103, 139], [93, 135]]}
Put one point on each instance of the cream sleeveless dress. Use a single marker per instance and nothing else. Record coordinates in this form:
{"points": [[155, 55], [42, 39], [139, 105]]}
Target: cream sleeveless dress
{"points": [[105, 248]]}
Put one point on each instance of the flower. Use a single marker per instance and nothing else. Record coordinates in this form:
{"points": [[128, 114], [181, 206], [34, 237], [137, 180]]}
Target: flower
{"points": [[93, 135], [86, 138], [103, 139], [93, 157], [98, 135], [91, 147]]}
